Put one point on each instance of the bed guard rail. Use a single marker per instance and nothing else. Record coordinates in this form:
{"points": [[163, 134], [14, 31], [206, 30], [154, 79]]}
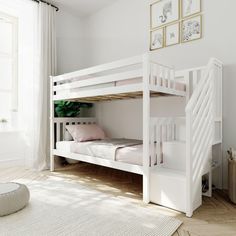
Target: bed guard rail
{"points": [[123, 76], [164, 129]]}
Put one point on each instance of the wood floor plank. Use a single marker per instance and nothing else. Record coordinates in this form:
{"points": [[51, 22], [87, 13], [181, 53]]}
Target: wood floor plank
{"points": [[216, 217]]}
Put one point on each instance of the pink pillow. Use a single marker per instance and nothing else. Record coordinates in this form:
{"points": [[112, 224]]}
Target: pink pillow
{"points": [[82, 133]]}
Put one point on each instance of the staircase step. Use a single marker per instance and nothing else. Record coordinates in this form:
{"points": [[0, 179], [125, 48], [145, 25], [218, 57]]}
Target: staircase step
{"points": [[162, 171], [168, 188]]}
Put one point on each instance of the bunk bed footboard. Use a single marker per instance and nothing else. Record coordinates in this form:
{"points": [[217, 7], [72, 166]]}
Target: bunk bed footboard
{"points": [[58, 133]]}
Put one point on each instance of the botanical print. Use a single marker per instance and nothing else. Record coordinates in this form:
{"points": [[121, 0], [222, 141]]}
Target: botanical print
{"points": [[190, 7], [157, 39], [191, 29], [164, 12], [172, 34]]}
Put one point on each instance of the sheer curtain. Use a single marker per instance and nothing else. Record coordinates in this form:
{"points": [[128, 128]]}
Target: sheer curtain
{"points": [[47, 66], [37, 61]]}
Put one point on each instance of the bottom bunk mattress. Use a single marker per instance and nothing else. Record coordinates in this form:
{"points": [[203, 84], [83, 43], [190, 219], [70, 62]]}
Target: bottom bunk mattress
{"points": [[123, 150]]}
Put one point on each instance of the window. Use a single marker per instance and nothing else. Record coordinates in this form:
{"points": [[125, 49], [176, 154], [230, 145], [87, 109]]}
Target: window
{"points": [[8, 66]]}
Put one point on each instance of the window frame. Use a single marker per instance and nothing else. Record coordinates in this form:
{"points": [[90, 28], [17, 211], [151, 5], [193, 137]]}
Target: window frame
{"points": [[13, 56]]}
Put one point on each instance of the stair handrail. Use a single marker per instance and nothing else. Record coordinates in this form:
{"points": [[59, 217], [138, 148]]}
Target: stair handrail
{"points": [[201, 83]]}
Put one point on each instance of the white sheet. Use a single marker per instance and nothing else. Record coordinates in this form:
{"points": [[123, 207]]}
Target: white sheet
{"points": [[132, 154], [64, 146]]}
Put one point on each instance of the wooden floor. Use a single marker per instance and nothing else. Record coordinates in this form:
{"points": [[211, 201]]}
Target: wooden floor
{"points": [[217, 216]]}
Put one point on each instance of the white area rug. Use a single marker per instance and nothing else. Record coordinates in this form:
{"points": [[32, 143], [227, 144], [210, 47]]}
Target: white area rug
{"points": [[60, 206]]}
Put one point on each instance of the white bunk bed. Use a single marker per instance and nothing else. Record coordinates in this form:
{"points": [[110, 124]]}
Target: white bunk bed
{"points": [[142, 77]]}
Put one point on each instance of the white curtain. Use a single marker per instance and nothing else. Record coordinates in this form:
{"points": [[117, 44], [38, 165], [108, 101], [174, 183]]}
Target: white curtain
{"points": [[37, 61], [47, 67]]}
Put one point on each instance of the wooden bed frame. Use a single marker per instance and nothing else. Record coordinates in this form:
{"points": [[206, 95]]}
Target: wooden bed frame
{"points": [[203, 113]]}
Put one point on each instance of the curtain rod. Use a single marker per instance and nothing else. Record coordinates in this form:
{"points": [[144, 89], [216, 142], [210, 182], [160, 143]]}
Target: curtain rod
{"points": [[57, 9]]}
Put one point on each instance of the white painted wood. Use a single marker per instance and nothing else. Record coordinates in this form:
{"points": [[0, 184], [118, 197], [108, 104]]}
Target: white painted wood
{"points": [[164, 129], [174, 155], [200, 124], [100, 80], [146, 131], [181, 72], [170, 91], [99, 92], [189, 207], [168, 188], [157, 122], [102, 162], [204, 106], [58, 132], [72, 83], [52, 137], [101, 68]]}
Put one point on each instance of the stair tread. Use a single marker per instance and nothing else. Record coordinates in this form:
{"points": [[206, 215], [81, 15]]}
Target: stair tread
{"points": [[169, 172]]}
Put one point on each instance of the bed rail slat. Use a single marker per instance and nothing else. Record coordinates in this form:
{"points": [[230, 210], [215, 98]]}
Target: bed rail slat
{"points": [[100, 83], [58, 132]]}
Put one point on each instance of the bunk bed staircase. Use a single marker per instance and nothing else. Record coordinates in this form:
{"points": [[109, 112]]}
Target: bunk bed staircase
{"points": [[177, 182]]}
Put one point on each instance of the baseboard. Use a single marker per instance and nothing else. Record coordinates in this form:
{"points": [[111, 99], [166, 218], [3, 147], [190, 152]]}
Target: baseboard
{"points": [[12, 163]]}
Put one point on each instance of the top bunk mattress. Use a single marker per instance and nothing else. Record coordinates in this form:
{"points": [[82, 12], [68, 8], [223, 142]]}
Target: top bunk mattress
{"points": [[179, 86], [163, 82]]}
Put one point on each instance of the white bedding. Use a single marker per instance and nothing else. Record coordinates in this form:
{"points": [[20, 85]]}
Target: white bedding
{"points": [[64, 146], [131, 154]]}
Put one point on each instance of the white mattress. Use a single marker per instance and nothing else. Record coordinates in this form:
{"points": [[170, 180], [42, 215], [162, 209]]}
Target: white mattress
{"points": [[130, 154], [64, 146], [164, 82]]}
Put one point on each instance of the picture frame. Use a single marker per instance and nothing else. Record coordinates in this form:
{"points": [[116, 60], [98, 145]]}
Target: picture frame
{"points": [[191, 29], [172, 34], [157, 39], [190, 7], [164, 12]]}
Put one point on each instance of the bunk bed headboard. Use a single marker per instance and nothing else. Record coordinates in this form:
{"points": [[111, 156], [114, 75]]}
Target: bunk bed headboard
{"points": [[60, 126]]}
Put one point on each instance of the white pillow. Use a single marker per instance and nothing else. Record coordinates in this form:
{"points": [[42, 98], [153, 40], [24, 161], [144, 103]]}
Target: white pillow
{"points": [[82, 133]]}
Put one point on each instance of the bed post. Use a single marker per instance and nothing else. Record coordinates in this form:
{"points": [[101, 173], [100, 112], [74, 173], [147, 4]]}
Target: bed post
{"points": [[146, 123], [51, 125]]}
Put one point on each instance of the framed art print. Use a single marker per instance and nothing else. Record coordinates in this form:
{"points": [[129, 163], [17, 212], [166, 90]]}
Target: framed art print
{"points": [[190, 7], [192, 29], [172, 34], [164, 12], [157, 39]]}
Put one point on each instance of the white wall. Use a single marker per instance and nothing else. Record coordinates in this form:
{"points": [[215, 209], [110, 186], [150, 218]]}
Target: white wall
{"points": [[12, 151], [70, 42], [71, 45], [122, 30], [123, 119]]}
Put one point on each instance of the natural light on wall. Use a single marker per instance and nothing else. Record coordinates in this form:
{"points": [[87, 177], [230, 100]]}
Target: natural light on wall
{"points": [[18, 30], [8, 67], [27, 59]]}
